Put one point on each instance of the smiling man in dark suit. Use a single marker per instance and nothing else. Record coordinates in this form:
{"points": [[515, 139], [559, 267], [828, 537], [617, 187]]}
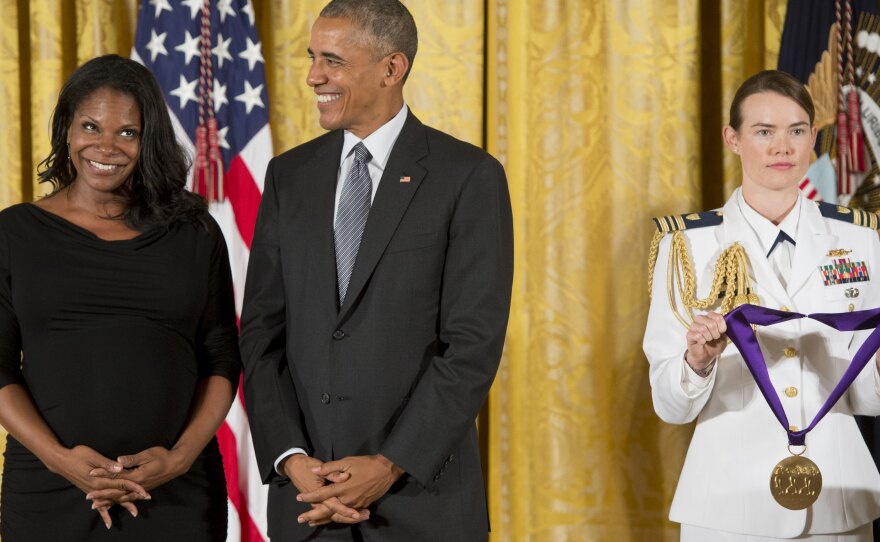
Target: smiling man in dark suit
{"points": [[376, 303]]}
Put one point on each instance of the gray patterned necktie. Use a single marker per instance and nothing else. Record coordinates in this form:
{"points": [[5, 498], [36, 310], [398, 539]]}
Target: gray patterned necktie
{"points": [[351, 217]]}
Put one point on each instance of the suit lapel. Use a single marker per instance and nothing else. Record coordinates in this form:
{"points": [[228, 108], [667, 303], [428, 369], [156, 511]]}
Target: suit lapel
{"points": [[812, 245], [389, 205], [322, 172], [736, 230]]}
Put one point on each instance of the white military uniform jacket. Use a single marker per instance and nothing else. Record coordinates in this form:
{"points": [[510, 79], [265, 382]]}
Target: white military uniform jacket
{"points": [[725, 481]]}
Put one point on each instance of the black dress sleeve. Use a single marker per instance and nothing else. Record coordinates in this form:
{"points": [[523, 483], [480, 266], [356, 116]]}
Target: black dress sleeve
{"points": [[10, 334], [217, 335]]}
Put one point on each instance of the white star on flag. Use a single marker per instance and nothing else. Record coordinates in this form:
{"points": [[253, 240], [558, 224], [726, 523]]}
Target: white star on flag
{"points": [[221, 51], [221, 137], [224, 8], [195, 6], [219, 96], [253, 54], [160, 5], [248, 10], [186, 91], [156, 46], [190, 47], [251, 96]]}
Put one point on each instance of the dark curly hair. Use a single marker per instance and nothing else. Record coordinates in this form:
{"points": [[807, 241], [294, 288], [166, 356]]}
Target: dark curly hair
{"points": [[157, 194]]}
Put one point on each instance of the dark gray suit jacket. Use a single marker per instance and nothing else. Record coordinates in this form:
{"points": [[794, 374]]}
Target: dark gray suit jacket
{"points": [[403, 367]]}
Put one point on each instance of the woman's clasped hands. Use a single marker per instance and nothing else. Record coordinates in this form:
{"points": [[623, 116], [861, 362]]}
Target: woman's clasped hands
{"points": [[122, 482]]}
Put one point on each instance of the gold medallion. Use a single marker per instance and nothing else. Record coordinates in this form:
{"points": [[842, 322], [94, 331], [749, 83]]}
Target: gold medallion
{"points": [[796, 482]]}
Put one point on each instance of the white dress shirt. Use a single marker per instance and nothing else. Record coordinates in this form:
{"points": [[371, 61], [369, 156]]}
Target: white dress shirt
{"points": [[767, 232]]}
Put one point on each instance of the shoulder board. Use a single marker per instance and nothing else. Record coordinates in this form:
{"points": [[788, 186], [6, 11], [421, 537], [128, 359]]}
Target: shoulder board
{"points": [[859, 217], [671, 223]]}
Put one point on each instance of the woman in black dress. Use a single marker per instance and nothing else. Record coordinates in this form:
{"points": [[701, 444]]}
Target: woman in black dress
{"points": [[118, 339]]}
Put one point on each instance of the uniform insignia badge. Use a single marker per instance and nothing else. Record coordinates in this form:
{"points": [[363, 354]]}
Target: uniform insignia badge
{"points": [[690, 221], [838, 252], [844, 271], [859, 217], [851, 292]]}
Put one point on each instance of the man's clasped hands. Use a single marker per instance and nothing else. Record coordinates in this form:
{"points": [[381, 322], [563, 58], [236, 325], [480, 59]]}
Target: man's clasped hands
{"points": [[340, 491]]}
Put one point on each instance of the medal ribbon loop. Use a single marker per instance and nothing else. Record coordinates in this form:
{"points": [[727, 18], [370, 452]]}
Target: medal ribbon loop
{"points": [[739, 330]]}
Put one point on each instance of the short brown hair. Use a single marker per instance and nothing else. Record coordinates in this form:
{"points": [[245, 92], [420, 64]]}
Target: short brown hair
{"points": [[771, 81]]}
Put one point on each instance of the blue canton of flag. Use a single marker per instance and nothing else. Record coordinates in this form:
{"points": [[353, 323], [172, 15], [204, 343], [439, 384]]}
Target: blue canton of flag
{"points": [[169, 42]]}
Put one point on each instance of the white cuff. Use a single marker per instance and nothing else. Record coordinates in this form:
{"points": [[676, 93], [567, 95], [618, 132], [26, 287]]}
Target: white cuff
{"points": [[282, 457], [692, 383]]}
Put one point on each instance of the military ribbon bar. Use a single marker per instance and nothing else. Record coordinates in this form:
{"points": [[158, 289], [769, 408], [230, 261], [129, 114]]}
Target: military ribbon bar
{"points": [[844, 271]]}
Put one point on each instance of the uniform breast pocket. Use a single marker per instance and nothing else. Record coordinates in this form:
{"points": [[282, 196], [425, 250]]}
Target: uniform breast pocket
{"points": [[413, 242], [847, 297]]}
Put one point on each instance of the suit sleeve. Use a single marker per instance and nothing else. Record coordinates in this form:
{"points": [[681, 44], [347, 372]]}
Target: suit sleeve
{"points": [[270, 396], [678, 396], [474, 308]]}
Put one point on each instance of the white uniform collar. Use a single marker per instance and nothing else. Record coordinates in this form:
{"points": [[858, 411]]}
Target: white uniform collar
{"points": [[764, 229]]}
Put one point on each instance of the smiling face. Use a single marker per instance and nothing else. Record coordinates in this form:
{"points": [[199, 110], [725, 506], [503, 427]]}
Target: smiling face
{"points": [[774, 142], [352, 87], [104, 141]]}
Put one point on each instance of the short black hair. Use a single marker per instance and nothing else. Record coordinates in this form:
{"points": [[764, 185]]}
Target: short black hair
{"points": [[388, 26]]}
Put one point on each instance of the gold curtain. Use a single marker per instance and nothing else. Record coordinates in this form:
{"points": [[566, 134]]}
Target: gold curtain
{"points": [[604, 113]]}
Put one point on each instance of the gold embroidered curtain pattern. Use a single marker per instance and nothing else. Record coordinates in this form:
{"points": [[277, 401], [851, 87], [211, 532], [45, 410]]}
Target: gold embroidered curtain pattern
{"points": [[603, 112]]}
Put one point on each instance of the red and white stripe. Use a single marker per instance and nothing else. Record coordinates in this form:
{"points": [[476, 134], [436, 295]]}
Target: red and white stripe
{"points": [[236, 216], [809, 190]]}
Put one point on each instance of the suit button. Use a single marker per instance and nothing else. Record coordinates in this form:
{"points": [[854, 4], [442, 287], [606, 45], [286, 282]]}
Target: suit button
{"points": [[338, 334], [851, 307], [325, 398], [784, 308], [790, 352], [791, 391]]}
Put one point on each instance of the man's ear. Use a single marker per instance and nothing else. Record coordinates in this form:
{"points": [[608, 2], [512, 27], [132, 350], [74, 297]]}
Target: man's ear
{"points": [[396, 66]]}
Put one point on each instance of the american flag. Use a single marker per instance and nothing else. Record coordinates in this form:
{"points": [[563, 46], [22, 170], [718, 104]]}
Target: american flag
{"points": [[172, 41]]}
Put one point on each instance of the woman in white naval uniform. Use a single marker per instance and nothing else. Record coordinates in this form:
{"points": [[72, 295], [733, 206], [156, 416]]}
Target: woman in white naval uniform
{"points": [[723, 493]]}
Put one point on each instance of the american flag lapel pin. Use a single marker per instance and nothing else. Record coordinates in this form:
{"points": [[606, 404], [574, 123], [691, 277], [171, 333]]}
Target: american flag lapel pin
{"points": [[405, 179]]}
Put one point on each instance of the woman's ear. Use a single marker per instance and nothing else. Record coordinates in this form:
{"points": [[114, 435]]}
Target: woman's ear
{"points": [[731, 138]]}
